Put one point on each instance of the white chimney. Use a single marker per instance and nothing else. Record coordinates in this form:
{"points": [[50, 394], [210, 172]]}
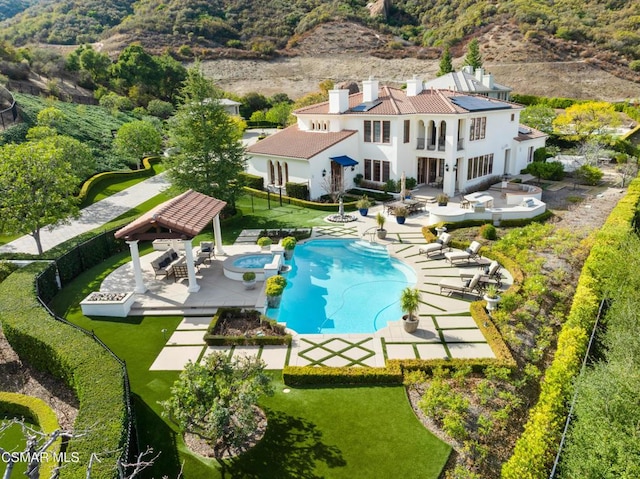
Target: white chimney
{"points": [[487, 80], [468, 69], [479, 74], [338, 101], [369, 90], [414, 86]]}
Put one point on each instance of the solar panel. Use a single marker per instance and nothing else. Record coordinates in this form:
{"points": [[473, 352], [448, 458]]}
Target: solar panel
{"points": [[472, 103], [366, 106]]}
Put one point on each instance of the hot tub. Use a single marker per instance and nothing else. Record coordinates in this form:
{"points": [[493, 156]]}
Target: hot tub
{"points": [[235, 266]]}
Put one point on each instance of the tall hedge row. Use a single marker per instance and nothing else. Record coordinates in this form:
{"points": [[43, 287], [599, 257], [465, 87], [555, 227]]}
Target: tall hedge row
{"points": [[71, 355], [538, 444]]}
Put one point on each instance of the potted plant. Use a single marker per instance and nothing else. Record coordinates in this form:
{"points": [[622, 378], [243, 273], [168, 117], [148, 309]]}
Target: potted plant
{"points": [[274, 287], [409, 303], [249, 280], [491, 297], [442, 199], [381, 232], [264, 242], [363, 205], [401, 214], [358, 179], [288, 243]]}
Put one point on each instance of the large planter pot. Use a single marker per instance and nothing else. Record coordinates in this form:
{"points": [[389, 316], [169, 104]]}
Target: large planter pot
{"points": [[492, 303], [382, 234], [249, 284], [288, 253], [410, 324], [274, 301], [364, 211], [107, 304], [400, 219]]}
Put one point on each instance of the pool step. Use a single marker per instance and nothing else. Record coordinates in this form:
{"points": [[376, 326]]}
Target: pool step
{"points": [[373, 250]]}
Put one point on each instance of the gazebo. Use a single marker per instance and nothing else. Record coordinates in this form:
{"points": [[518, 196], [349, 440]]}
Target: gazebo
{"points": [[180, 218]]}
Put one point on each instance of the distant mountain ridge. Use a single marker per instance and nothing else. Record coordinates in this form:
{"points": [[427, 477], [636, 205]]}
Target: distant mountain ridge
{"points": [[607, 31]]}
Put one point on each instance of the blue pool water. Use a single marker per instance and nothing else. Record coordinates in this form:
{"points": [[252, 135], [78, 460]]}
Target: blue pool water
{"points": [[253, 261], [342, 286]]}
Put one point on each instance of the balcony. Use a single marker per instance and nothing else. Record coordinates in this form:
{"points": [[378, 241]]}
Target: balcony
{"points": [[420, 145]]}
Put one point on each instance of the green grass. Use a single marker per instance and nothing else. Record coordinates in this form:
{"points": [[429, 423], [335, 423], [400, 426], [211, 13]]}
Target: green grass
{"points": [[332, 432]]}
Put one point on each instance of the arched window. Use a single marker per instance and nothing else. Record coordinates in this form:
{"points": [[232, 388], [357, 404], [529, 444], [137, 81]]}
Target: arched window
{"points": [[272, 174], [286, 173], [279, 173]]}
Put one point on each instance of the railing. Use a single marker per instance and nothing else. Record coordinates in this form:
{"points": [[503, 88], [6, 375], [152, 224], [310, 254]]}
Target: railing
{"points": [[9, 115], [420, 145], [460, 144], [64, 96]]}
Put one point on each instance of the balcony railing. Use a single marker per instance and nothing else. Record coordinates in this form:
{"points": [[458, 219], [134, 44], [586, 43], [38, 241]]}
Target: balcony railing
{"points": [[420, 145], [460, 144]]}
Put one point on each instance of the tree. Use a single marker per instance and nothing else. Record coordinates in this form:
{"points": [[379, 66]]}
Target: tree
{"points": [[539, 117], [209, 154], [446, 65], [217, 399], [36, 184], [95, 63], [581, 121], [279, 114], [552, 170], [137, 139], [473, 57]]}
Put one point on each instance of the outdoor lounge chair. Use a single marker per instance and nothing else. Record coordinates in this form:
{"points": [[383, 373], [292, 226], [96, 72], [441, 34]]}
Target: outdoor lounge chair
{"points": [[490, 275], [205, 252], [462, 287], [437, 247], [471, 253], [180, 271]]}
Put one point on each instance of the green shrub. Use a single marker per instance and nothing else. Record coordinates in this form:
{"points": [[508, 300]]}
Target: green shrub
{"points": [[274, 285], [252, 181], [74, 357], [303, 203], [264, 241], [313, 375], [297, 190], [289, 242], [6, 268], [213, 339], [488, 232], [591, 175]]}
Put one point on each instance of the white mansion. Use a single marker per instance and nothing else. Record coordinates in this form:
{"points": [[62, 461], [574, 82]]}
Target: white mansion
{"points": [[442, 138]]}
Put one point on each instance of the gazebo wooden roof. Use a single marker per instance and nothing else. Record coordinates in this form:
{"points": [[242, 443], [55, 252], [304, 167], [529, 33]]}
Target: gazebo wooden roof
{"points": [[182, 217]]}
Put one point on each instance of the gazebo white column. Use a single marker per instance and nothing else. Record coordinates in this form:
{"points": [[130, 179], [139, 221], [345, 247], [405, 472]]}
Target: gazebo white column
{"points": [[194, 287], [137, 269], [217, 235]]}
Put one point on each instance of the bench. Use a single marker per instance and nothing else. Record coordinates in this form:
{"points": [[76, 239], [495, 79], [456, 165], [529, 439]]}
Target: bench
{"points": [[163, 264]]}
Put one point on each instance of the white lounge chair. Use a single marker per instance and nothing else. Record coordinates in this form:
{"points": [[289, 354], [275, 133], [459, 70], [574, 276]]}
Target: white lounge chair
{"points": [[490, 275], [462, 287], [438, 246], [467, 255]]}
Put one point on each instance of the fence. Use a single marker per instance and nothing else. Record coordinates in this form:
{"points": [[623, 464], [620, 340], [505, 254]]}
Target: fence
{"points": [[51, 279], [39, 91], [9, 112]]}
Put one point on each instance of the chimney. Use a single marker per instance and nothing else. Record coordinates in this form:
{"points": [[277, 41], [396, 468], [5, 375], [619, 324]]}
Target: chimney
{"points": [[479, 74], [338, 101], [468, 69], [369, 90], [487, 80], [414, 86]]}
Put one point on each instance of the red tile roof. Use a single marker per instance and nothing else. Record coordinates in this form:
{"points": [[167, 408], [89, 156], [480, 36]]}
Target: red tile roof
{"points": [[185, 215], [533, 133], [294, 143], [394, 101]]}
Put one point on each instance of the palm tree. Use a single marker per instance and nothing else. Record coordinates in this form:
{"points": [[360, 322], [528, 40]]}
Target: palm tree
{"points": [[410, 302]]}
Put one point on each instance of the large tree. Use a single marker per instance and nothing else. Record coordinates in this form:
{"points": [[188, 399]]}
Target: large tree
{"points": [[446, 65], [137, 139], [538, 116], [473, 57], [217, 399], [584, 121], [37, 182], [209, 154]]}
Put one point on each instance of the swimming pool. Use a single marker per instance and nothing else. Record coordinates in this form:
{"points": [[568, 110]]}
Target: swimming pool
{"points": [[342, 286]]}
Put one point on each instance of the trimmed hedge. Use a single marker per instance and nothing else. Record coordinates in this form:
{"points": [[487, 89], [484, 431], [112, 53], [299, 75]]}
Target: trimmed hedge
{"points": [[36, 411], [95, 182], [536, 447], [71, 355], [298, 190], [252, 181], [302, 203], [313, 375], [218, 340]]}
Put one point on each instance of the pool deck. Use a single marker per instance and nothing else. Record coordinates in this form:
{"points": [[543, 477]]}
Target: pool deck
{"points": [[446, 329]]}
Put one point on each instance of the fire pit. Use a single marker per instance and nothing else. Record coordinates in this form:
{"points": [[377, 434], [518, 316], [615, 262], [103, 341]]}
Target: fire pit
{"points": [[101, 303]]}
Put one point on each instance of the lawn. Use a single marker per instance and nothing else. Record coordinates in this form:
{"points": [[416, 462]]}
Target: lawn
{"points": [[313, 432]]}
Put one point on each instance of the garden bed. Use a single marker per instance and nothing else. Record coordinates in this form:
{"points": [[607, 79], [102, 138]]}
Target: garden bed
{"points": [[234, 326]]}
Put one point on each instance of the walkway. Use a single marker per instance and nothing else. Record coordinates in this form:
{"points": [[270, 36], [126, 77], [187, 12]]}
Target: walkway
{"points": [[92, 216]]}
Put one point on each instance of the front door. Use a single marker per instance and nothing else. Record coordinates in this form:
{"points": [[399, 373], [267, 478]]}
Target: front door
{"points": [[336, 177]]}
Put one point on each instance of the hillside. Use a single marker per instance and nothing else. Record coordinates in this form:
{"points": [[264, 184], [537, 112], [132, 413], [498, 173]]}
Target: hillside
{"points": [[10, 8]]}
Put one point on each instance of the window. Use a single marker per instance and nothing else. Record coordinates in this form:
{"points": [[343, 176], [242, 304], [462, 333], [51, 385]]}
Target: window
{"points": [[376, 131], [377, 170], [530, 155], [407, 129], [479, 166], [478, 128], [513, 116]]}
